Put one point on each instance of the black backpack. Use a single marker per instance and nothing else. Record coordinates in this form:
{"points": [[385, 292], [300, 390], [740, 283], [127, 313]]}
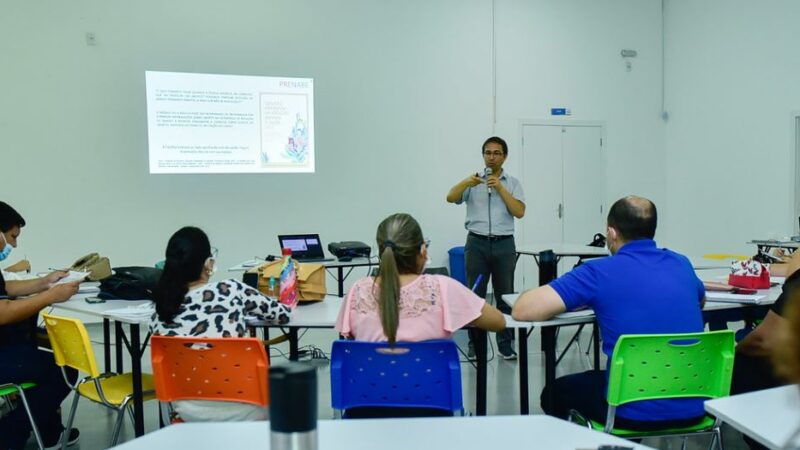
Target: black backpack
{"points": [[130, 283]]}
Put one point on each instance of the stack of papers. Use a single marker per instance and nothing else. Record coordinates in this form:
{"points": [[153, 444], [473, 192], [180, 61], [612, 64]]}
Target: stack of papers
{"points": [[727, 297], [138, 312]]}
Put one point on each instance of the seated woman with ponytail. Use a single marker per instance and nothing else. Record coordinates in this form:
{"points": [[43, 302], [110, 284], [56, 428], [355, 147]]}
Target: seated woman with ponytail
{"points": [[189, 304], [402, 305]]}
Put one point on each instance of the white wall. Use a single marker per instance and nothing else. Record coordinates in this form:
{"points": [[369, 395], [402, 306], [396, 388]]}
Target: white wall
{"points": [[403, 101], [567, 54], [732, 71]]}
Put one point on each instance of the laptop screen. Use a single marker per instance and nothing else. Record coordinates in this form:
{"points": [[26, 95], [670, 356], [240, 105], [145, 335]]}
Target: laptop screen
{"points": [[302, 245]]}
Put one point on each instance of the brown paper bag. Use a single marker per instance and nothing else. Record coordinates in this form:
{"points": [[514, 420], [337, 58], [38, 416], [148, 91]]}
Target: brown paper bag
{"points": [[310, 277]]}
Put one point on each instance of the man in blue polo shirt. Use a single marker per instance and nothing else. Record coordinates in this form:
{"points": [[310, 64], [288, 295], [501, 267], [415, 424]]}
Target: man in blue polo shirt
{"points": [[640, 289]]}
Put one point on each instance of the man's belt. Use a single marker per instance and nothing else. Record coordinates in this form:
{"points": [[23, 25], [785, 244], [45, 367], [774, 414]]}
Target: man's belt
{"points": [[491, 238]]}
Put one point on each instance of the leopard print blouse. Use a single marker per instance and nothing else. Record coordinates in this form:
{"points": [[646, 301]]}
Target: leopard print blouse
{"points": [[219, 309]]}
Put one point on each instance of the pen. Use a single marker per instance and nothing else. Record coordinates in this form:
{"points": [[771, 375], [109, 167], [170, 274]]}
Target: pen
{"points": [[29, 265], [477, 282]]}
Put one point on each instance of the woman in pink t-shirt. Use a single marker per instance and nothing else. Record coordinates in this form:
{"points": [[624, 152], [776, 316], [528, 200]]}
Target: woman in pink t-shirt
{"points": [[402, 305]]}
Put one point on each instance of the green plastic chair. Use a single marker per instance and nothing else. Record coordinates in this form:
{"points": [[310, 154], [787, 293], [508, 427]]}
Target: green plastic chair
{"points": [[668, 366], [7, 389]]}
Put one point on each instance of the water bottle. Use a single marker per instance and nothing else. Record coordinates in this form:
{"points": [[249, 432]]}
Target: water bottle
{"points": [[293, 407], [288, 280]]}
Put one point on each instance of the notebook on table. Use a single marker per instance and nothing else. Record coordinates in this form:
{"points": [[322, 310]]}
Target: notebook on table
{"points": [[305, 247]]}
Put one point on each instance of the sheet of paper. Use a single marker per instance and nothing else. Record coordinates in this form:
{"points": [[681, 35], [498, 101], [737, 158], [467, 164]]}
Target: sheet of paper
{"points": [[73, 276]]}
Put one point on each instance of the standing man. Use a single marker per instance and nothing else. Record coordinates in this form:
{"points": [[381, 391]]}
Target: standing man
{"points": [[493, 200]]}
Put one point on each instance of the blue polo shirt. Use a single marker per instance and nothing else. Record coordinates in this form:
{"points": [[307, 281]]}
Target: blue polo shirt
{"points": [[641, 289]]}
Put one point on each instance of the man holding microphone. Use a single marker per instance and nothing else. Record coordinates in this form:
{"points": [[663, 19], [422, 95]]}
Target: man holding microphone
{"points": [[493, 200]]}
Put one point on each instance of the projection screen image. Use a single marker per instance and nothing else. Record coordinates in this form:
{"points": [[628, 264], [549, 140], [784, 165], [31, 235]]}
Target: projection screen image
{"points": [[205, 123]]}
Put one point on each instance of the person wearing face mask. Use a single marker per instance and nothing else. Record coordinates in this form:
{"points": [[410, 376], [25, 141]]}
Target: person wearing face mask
{"points": [[20, 359], [640, 289], [188, 303]]}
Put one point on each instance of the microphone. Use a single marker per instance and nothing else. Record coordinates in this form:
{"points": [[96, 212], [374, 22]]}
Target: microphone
{"points": [[487, 172]]}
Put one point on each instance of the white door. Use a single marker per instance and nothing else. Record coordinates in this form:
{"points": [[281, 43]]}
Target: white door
{"points": [[562, 173], [583, 184]]}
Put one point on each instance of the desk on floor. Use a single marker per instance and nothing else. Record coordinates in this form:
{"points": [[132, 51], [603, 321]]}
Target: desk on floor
{"points": [[132, 341], [771, 416], [467, 433], [765, 245]]}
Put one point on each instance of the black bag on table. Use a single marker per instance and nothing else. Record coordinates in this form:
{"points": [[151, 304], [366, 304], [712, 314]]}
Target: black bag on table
{"points": [[130, 283]]}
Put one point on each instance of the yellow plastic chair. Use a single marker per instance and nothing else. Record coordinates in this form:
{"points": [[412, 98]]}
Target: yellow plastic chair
{"points": [[725, 256], [72, 348]]}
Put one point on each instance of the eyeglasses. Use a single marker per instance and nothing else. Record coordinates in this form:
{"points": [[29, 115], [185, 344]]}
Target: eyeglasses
{"points": [[214, 252], [427, 243], [495, 154]]}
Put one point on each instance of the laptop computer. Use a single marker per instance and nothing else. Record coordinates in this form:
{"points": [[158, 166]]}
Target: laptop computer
{"points": [[305, 247]]}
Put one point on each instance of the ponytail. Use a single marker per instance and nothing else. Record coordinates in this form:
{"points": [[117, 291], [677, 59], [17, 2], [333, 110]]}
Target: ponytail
{"points": [[389, 295], [399, 240], [186, 255]]}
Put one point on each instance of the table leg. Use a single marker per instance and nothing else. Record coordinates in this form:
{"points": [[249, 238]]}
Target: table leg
{"points": [[107, 345], [136, 364], [480, 354], [549, 350], [294, 353], [522, 336], [340, 280], [596, 345], [118, 333]]}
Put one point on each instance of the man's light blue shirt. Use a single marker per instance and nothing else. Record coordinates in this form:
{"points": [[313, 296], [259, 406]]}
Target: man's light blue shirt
{"points": [[477, 199]]}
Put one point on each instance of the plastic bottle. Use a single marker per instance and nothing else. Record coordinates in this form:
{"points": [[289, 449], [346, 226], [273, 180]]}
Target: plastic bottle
{"points": [[288, 280]]}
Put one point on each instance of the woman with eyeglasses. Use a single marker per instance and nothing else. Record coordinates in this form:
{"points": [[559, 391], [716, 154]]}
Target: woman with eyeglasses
{"points": [[188, 303], [403, 305]]}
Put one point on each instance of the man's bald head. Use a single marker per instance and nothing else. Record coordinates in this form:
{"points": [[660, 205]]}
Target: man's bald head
{"points": [[634, 218]]}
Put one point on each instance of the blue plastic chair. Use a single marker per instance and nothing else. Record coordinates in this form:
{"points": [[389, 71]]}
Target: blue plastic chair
{"points": [[409, 375]]}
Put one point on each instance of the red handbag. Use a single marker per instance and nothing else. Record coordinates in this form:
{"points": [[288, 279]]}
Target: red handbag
{"points": [[749, 274]]}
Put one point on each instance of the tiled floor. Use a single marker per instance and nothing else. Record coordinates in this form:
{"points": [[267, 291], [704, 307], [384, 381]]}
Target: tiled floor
{"points": [[95, 422]]}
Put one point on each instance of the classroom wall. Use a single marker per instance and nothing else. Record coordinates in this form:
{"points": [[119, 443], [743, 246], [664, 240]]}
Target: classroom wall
{"points": [[567, 54], [731, 81], [404, 97]]}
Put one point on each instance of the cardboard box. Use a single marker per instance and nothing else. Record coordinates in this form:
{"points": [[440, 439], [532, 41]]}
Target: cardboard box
{"points": [[310, 277]]}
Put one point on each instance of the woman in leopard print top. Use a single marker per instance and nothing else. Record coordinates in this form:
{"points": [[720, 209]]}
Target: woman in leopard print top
{"points": [[189, 304]]}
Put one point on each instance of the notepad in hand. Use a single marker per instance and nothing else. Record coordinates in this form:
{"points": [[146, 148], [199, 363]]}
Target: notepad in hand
{"points": [[72, 277]]}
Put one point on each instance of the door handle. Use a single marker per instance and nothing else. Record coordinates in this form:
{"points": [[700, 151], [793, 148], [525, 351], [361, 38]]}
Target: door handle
{"points": [[560, 210]]}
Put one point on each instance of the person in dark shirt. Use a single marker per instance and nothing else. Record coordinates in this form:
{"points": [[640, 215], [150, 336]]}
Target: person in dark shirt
{"points": [[20, 359]]}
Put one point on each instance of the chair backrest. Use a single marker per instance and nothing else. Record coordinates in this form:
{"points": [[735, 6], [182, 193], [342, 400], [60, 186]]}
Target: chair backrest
{"points": [[71, 345], [658, 366], [224, 369], [411, 374]]}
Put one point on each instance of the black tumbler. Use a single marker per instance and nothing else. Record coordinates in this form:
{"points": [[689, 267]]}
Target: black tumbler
{"points": [[548, 267], [293, 407]]}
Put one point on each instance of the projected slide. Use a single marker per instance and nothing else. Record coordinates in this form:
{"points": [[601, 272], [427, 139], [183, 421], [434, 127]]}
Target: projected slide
{"points": [[203, 123]]}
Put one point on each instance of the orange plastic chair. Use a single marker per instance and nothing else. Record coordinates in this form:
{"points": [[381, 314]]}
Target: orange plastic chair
{"points": [[222, 369]]}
